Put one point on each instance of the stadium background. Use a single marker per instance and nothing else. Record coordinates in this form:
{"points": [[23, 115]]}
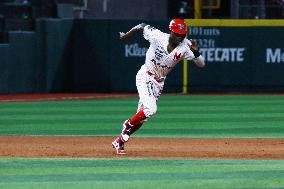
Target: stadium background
{"points": [[48, 47], [51, 48]]}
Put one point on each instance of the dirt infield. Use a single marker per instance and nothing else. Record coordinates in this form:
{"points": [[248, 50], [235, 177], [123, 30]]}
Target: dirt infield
{"points": [[100, 147], [178, 148], [61, 96], [92, 96]]}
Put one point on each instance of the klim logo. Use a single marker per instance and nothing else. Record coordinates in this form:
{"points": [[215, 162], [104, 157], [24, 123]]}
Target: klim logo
{"points": [[133, 50], [274, 55]]}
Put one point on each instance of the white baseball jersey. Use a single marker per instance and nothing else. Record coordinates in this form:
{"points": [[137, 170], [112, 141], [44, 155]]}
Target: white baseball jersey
{"points": [[158, 60], [150, 78]]}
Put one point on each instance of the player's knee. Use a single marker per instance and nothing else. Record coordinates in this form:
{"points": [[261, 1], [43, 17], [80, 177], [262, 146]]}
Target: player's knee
{"points": [[149, 112]]}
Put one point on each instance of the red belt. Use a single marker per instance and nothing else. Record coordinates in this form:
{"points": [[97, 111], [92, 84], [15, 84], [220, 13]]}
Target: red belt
{"points": [[156, 78]]}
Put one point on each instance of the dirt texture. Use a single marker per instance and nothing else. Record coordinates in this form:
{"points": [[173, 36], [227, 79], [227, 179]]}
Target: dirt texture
{"points": [[162, 148], [62, 96]]}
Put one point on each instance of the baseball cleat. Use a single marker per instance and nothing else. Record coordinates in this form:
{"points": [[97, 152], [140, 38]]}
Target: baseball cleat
{"points": [[119, 147]]}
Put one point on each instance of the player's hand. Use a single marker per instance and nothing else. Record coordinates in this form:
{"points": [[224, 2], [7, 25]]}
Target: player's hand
{"points": [[194, 48], [194, 45], [121, 35]]}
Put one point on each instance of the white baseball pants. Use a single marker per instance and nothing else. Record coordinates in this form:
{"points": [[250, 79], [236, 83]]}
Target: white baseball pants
{"points": [[149, 91]]}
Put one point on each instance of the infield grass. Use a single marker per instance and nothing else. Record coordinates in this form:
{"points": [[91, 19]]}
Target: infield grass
{"points": [[140, 174], [178, 116]]}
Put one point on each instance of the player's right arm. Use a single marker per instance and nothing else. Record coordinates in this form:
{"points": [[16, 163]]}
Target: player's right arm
{"points": [[124, 36]]}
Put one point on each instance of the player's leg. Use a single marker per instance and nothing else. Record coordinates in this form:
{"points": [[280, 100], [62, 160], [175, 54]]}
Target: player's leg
{"points": [[134, 123], [128, 128], [131, 125], [137, 126], [149, 93]]}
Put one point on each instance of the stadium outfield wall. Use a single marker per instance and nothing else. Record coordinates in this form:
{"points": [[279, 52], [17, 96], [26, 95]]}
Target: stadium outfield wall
{"points": [[241, 55], [85, 55]]}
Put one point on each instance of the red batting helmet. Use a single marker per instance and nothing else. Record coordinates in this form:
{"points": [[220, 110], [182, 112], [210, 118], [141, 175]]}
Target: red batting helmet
{"points": [[178, 26]]}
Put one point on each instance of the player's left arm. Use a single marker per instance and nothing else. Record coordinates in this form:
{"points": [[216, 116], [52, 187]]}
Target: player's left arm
{"points": [[198, 58], [124, 36]]}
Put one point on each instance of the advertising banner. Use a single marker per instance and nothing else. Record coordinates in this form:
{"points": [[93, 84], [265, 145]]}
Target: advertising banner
{"points": [[242, 57]]}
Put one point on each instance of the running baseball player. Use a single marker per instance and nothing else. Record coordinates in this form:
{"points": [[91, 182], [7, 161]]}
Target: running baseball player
{"points": [[165, 51]]}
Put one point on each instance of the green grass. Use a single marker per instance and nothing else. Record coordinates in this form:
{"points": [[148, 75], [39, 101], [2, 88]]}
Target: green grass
{"points": [[178, 116], [140, 174]]}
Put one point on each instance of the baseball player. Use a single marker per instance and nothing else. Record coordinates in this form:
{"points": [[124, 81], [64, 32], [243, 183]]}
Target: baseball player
{"points": [[165, 51]]}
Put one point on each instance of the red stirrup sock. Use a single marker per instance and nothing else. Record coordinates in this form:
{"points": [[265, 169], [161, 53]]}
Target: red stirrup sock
{"points": [[135, 128], [137, 118]]}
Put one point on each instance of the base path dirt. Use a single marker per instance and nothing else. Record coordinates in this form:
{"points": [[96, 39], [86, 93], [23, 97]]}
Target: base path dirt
{"points": [[163, 148], [61, 96]]}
